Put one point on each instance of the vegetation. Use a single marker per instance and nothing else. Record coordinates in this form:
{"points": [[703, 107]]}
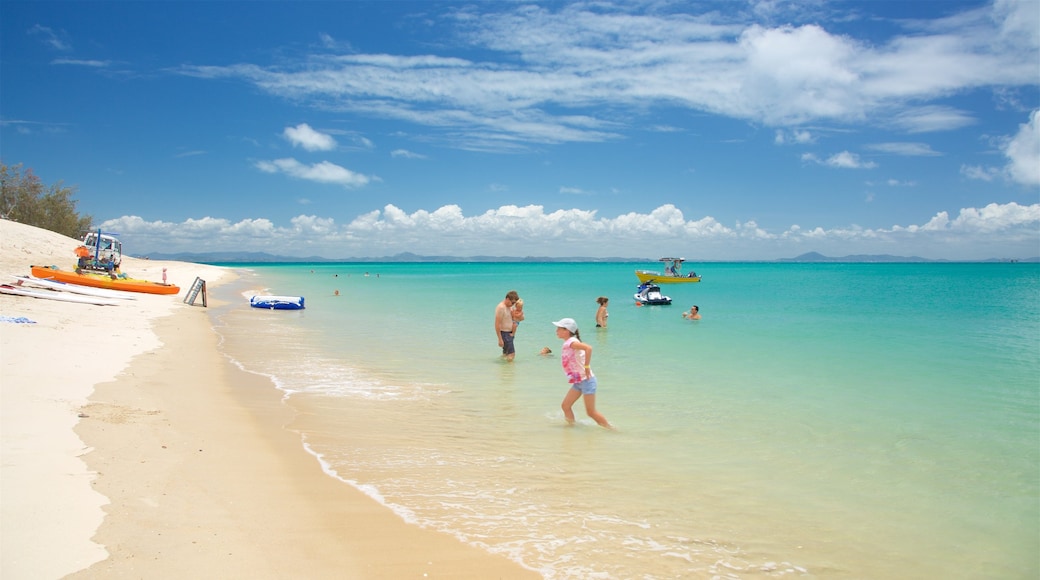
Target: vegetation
{"points": [[25, 199]]}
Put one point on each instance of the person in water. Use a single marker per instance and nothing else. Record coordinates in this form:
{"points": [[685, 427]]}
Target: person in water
{"points": [[517, 312], [576, 357], [504, 324], [693, 314], [601, 312]]}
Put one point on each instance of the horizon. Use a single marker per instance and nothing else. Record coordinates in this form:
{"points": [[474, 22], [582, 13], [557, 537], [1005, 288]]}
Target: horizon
{"points": [[411, 258], [729, 131]]}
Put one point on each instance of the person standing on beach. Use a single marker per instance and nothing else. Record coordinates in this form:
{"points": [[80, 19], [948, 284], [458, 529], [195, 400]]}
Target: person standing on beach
{"points": [[576, 357], [601, 312], [504, 324]]}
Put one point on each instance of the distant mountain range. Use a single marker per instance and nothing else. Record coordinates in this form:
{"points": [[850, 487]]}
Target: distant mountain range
{"points": [[265, 258], [818, 257]]}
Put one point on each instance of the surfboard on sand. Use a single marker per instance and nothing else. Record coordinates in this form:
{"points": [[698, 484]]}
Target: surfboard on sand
{"points": [[62, 296], [21, 281]]}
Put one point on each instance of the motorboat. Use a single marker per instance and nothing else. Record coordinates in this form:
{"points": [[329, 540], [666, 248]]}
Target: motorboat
{"points": [[672, 273], [649, 294], [277, 302]]}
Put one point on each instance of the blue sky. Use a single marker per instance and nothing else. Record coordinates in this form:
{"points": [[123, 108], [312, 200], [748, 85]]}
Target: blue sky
{"points": [[713, 130]]}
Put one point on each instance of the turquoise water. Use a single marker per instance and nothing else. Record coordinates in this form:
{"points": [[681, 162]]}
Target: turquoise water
{"points": [[821, 420]]}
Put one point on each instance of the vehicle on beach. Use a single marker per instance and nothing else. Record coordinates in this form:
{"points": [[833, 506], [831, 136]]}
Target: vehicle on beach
{"points": [[649, 294], [672, 273], [277, 302], [100, 252]]}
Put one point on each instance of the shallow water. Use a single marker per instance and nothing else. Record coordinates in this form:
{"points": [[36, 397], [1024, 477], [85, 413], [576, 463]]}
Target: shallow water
{"points": [[822, 420]]}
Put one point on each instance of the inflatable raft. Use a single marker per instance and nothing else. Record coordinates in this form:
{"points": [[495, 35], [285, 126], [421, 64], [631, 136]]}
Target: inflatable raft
{"points": [[277, 302]]}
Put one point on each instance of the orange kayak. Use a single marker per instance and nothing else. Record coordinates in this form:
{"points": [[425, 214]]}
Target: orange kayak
{"points": [[95, 280]]}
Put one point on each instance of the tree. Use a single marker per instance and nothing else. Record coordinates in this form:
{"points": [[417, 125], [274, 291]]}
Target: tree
{"points": [[24, 199]]}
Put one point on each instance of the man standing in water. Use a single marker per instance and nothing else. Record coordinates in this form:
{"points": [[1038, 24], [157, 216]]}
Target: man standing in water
{"points": [[504, 324]]}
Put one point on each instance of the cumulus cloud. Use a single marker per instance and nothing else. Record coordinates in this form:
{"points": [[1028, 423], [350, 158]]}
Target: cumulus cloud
{"points": [[304, 136], [323, 172], [512, 230], [1023, 152]]}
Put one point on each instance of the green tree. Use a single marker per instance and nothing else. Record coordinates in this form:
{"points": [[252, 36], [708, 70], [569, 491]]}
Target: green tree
{"points": [[25, 199]]}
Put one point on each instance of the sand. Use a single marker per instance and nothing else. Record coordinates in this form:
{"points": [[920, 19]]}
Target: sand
{"points": [[131, 448]]}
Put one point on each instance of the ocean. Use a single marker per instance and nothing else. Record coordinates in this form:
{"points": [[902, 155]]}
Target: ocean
{"points": [[839, 420]]}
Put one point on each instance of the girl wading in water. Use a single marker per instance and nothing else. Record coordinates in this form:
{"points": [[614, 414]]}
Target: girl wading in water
{"points": [[576, 356]]}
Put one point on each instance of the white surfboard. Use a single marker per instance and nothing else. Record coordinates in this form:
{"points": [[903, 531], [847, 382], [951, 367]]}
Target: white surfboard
{"points": [[62, 296], [74, 288]]}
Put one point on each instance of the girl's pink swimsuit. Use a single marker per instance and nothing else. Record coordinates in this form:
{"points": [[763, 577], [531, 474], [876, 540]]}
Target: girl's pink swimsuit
{"points": [[573, 362]]}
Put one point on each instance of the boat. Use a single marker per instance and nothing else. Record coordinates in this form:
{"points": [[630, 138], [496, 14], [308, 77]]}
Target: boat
{"points": [[672, 273], [277, 302], [110, 281], [34, 283], [649, 294], [57, 295]]}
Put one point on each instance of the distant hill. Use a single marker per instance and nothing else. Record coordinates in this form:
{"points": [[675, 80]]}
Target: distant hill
{"points": [[265, 258], [408, 257], [818, 257]]}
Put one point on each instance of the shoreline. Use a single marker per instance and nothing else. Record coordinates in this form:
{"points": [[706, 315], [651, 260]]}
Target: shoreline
{"points": [[132, 447], [229, 491]]}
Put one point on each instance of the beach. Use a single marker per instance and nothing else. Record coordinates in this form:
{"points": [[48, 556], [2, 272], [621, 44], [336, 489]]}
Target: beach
{"points": [[133, 448]]}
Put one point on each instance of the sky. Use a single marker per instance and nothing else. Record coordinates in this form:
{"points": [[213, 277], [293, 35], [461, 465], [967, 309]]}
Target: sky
{"points": [[735, 130]]}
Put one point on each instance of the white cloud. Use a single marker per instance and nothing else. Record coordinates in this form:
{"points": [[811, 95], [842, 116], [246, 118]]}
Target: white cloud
{"points": [[323, 172], [406, 154], [795, 136], [979, 172], [82, 62], [1023, 152], [583, 71], [573, 190], [996, 230], [304, 136], [905, 149], [931, 119], [843, 160], [50, 37]]}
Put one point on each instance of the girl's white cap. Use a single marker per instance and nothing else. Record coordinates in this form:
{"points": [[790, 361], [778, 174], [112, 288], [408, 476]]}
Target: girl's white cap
{"points": [[567, 323]]}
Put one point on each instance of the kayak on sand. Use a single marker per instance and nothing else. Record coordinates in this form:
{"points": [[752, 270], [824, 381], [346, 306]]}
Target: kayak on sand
{"points": [[111, 282]]}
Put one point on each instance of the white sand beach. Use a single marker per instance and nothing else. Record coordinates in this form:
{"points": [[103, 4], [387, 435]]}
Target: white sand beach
{"points": [[132, 448]]}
